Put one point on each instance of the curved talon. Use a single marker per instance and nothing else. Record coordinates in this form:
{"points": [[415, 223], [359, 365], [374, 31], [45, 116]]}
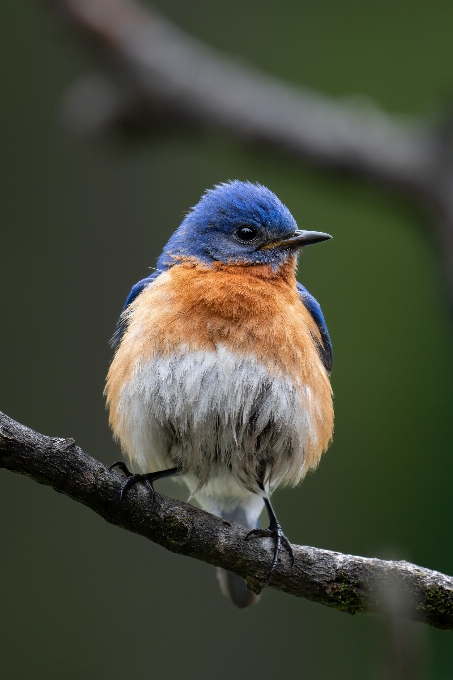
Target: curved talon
{"points": [[146, 479], [289, 548], [134, 479], [122, 466], [280, 541]]}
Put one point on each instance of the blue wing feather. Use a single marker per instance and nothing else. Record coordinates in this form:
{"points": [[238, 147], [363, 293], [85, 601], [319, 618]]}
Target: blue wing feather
{"points": [[313, 306], [123, 320]]}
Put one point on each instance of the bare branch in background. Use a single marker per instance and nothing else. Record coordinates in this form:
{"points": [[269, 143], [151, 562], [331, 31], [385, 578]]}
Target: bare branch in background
{"points": [[153, 71], [156, 70], [345, 582]]}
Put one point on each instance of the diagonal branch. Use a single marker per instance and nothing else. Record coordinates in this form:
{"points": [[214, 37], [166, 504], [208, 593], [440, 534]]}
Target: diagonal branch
{"points": [[345, 582]]}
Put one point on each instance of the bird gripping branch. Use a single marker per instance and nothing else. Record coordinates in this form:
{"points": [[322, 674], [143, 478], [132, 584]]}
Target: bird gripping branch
{"points": [[221, 373]]}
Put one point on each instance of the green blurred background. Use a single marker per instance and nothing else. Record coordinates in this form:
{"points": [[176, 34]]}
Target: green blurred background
{"points": [[83, 219]]}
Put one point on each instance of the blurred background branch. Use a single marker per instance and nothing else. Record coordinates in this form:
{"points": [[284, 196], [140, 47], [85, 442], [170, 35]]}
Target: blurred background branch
{"points": [[345, 582], [102, 152], [155, 70]]}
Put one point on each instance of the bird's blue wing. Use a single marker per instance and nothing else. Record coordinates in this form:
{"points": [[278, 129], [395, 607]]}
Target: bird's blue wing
{"points": [[313, 306], [123, 320]]}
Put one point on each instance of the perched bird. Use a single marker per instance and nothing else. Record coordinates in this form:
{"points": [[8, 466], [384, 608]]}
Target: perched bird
{"points": [[222, 364]]}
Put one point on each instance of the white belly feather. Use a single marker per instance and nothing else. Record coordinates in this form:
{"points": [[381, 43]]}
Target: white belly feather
{"points": [[218, 415]]}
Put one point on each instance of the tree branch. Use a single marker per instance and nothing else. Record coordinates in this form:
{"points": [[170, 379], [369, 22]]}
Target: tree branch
{"points": [[156, 70], [344, 582], [172, 69]]}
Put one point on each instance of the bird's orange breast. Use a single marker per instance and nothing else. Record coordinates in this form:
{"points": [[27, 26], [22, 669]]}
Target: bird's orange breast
{"points": [[251, 310]]}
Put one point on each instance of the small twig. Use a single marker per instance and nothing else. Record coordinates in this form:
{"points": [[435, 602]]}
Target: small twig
{"points": [[345, 582]]}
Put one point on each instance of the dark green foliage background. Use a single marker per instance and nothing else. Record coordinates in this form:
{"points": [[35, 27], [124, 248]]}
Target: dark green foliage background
{"points": [[83, 220]]}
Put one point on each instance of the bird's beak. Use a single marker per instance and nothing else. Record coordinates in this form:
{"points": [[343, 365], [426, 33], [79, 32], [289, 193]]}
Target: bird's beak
{"points": [[299, 239]]}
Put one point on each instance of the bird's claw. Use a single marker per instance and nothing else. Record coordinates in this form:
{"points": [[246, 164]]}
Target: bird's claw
{"points": [[132, 480], [280, 541]]}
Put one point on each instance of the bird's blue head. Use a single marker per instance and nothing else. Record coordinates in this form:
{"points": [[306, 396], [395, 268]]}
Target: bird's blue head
{"points": [[237, 223]]}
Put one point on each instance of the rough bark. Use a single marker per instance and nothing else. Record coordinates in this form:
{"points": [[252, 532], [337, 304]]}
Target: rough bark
{"points": [[345, 582]]}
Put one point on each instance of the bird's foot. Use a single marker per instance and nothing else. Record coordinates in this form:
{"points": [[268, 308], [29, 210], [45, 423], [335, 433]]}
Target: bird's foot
{"points": [[132, 479], [148, 479], [280, 541]]}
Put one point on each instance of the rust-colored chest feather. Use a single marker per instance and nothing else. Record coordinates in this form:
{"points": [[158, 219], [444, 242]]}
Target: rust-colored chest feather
{"points": [[250, 312], [249, 309]]}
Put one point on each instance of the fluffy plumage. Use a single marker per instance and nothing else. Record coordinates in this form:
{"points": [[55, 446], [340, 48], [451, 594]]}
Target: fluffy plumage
{"points": [[222, 361]]}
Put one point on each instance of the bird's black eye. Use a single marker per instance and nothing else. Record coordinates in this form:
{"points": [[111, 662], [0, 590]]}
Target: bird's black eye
{"points": [[246, 234]]}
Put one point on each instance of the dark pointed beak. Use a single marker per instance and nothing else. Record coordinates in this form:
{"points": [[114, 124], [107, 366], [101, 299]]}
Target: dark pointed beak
{"points": [[299, 239]]}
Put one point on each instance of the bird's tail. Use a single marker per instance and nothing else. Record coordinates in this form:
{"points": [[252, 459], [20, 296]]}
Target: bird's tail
{"points": [[235, 587], [232, 585]]}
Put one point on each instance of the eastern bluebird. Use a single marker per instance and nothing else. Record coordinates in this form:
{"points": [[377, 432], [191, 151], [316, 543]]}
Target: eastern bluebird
{"points": [[222, 364]]}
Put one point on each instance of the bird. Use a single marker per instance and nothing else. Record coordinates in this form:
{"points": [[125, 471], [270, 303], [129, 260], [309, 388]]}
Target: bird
{"points": [[221, 370]]}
